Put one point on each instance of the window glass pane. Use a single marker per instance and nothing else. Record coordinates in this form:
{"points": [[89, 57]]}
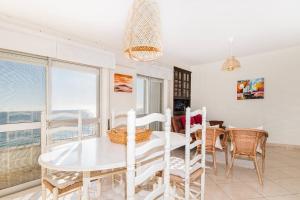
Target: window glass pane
{"points": [[22, 86], [141, 94], [22, 91], [73, 91]]}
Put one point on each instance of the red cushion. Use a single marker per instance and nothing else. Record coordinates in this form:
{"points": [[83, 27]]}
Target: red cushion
{"points": [[198, 119], [193, 121], [182, 119]]}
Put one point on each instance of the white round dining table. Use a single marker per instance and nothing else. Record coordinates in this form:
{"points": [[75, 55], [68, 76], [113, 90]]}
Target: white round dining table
{"points": [[94, 154]]}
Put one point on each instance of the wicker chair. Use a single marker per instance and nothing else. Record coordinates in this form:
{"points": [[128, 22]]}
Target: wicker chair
{"points": [[211, 137], [245, 142]]}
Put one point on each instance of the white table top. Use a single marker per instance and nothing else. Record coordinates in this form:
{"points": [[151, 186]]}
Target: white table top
{"points": [[95, 154]]}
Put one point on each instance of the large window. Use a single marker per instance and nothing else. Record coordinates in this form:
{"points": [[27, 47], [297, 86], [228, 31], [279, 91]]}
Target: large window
{"points": [[22, 91], [24, 82], [76, 89]]}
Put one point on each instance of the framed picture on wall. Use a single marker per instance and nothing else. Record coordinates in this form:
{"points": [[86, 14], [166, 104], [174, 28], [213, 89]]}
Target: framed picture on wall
{"points": [[251, 89], [123, 83]]}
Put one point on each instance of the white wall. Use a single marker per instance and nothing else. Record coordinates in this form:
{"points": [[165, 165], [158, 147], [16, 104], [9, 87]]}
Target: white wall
{"points": [[120, 102], [26, 39], [279, 112]]}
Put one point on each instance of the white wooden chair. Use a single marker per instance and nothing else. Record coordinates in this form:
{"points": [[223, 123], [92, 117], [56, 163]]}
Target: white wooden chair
{"points": [[139, 156], [60, 183], [186, 172], [118, 119]]}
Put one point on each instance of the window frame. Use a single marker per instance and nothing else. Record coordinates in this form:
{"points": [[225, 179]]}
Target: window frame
{"points": [[148, 80], [80, 68], [45, 62]]}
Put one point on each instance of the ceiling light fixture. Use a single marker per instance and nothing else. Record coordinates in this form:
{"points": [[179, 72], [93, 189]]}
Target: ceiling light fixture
{"points": [[231, 62], [143, 33]]}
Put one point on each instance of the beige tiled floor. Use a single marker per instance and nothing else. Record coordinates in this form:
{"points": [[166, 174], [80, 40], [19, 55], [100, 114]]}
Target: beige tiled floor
{"points": [[281, 180]]}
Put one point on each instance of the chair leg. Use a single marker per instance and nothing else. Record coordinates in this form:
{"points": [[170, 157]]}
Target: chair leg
{"points": [[263, 165], [44, 192], [113, 181], [98, 185], [263, 160], [202, 187], [215, 162], [231, 165], [79, 194], [258, 172], [55, 194], [226, 157]]}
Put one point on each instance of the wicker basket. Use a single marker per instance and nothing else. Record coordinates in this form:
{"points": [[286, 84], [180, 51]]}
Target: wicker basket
{"points": [[119, 135]]}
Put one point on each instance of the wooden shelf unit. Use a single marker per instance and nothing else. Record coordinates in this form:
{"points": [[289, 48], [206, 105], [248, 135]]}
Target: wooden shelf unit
{"points": [[181, 90]]}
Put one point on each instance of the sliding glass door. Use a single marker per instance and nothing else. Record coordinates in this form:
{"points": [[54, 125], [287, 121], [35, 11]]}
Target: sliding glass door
{"points": [[23, 97], [28, 86], [149, 97], [73, 89]]}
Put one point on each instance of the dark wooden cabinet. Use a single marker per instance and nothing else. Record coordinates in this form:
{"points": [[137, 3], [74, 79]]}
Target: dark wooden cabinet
{"points": [[182, 90]]}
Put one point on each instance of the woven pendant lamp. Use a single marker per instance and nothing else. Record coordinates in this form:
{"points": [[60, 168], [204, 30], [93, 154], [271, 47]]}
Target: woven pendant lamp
{"points": [[231, 62], [143, 33]]}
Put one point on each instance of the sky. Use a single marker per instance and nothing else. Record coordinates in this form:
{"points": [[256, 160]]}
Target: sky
{"points": [[73, 90], [23, 86]]}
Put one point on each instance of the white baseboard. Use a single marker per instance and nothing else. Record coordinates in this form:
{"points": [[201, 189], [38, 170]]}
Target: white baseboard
{"points": [[286, 146]]}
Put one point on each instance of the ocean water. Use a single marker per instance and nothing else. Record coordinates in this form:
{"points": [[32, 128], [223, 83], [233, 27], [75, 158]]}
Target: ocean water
{"points": [[33, 137]]}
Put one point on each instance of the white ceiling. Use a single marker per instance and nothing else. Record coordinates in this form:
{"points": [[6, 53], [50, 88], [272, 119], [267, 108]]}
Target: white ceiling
{"points": [[194, 31]]}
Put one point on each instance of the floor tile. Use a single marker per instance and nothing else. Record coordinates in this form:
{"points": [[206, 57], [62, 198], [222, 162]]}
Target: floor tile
{"points": [[269, 188], [238, 191], [291, 184], [281, 180]]}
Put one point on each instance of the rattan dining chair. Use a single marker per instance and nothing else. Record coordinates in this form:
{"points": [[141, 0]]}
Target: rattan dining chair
{"points": [[245, 143], [212, 134]]}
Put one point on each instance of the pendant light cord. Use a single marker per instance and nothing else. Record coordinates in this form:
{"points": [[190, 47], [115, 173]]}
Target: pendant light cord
{"points": [[231, 46]]}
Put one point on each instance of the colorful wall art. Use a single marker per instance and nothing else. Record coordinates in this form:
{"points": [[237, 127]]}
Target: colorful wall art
{"points": [[251, 89], [123, 83]]}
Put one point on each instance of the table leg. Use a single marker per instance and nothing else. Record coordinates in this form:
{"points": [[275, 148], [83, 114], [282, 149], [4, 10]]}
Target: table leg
{"points": [[86, 184]]}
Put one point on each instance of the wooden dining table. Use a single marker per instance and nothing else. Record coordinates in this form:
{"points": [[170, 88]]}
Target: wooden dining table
{"points": [[94, 154]]}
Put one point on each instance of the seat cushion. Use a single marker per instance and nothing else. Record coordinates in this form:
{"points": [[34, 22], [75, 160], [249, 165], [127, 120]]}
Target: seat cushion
{"points": [[63, 179], [198, 119], [182, 119], [177, 167]]}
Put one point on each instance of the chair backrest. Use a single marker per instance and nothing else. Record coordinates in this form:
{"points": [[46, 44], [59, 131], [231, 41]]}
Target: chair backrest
{"points": [[198, 157], [212, 133], [118, 119], [245, 141], [58, 128], [154, 148], [176, 124]]}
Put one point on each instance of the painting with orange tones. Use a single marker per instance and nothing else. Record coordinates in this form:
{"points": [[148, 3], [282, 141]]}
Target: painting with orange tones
{"points": [[123, 83], [251, 89]]}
